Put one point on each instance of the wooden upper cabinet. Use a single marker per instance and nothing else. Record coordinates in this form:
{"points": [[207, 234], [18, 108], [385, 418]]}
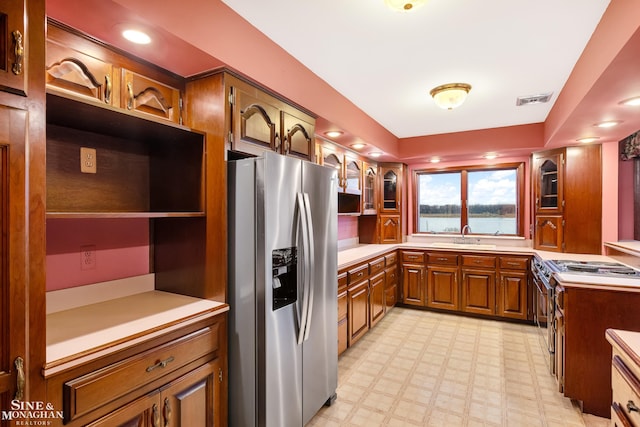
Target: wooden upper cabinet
{"points": [[262, 122], [548, 184], [13, 67], [91, 71], [332, 156], [81, 74], [567, 196], [369, 198], [390, 188], [297, 130], [353, 175], [140, 93], [256, 121]]}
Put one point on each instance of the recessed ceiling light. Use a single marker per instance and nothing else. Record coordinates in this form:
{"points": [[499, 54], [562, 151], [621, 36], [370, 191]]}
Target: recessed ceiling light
{"points": [[375, 154], [136, 36], [588, 139], [358, 145], [435, 160], [490, 156], [631, 101], [608, 123], [333, 133]]}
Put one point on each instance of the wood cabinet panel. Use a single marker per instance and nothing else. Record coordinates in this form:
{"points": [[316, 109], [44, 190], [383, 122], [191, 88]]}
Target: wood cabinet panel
{"points": [[82, 74], [376, 266], [443, 287], [442, 258], [297, 133], [514, 263], [256, 121], [145, 95], [376, 298], [413, 284], [342, 317], [478, 291], [390, 229], [358, 273], [511, 294], [358, 307], [412, 257], [549, 233], [479, 261]]}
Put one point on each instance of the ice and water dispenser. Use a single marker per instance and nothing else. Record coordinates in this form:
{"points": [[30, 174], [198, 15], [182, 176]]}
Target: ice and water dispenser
{"points": [[284, 277]]}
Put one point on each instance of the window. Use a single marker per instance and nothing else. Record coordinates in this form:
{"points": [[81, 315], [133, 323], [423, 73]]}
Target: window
{"points": [[488, 200]]}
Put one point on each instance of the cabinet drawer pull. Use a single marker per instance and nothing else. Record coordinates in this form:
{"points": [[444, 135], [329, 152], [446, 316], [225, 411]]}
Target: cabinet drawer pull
{"points": [[107, 89], [477, 261], [631, 407], [161, 364], [515, 264], [442, 259]]}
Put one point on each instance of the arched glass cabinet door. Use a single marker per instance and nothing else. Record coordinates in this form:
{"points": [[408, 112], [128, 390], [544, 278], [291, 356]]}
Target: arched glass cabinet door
{"points": [[353, 170], [390, 191], [548, 185], [332, 160], [369, 191]]}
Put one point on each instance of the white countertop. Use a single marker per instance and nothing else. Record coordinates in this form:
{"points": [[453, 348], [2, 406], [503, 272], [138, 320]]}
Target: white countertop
{"points": [[115, 319], [357, 254], [628, 341]]}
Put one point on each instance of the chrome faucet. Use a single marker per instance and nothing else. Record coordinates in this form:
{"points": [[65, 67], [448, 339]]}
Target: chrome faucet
{"points": [[467, 229]]}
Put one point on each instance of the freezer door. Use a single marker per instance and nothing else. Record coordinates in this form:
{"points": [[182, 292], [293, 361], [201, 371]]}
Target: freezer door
{"points": [[279, 356], [320, 347]]}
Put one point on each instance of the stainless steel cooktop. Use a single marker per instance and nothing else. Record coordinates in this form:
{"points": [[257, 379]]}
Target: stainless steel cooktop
{"points": [[600, 268]]}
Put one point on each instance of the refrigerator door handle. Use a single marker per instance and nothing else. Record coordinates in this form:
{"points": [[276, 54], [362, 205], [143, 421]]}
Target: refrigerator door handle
{"points": [[311, 271], [302, 218]]}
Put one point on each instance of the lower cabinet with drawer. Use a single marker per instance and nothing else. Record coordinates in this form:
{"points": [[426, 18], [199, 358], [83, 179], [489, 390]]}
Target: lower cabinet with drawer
{"points": [[175, 379], [625, 377]]}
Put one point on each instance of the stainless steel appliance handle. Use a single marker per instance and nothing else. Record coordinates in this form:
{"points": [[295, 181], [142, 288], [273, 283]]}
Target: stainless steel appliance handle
{"points": [[302, 216], [311, 258]]}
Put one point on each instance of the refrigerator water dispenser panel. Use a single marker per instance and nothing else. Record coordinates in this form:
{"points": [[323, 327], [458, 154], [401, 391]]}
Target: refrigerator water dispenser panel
{"points": [[285, 277]]}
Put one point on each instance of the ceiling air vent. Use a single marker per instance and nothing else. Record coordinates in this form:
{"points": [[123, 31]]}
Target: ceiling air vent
{"points": [[534, 99]]}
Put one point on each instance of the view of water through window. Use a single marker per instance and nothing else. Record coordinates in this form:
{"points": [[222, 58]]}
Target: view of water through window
{"points": [[491, 202]]}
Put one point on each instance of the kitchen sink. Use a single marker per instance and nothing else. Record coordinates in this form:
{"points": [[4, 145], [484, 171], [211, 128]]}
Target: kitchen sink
{"points": [[449, 245]]}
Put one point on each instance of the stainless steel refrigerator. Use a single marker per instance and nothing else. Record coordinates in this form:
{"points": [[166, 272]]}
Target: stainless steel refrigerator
{"points": [[282, 290]]}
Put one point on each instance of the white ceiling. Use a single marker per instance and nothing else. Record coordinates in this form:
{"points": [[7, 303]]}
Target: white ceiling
{"points": [[386, 62]]}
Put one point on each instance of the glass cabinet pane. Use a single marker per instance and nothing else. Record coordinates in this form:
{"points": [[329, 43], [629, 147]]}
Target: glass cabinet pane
{"points": [[549, 185], [353, 176], [368, 194], [389, 190]]}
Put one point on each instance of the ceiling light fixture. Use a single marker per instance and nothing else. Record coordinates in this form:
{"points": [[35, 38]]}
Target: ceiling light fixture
{"points": [[631, 101], [358, 145], [451, 95], [136, 36], [375, 154], [588, 139], [333, 133], [404, 5], [435, 160], [608, 124], [490, 156]]}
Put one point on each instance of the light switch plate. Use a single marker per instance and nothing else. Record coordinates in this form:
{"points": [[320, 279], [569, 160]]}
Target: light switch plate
{"points": [[88, 160]]}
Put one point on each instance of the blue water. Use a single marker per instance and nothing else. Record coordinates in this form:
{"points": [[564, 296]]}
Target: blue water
{"points": [[478, 225]]}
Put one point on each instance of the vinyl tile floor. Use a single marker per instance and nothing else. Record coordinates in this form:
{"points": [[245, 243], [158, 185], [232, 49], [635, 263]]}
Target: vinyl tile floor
{"points": [[420, 368]]}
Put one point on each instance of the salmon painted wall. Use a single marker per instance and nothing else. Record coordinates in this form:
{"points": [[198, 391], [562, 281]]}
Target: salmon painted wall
{"points": [[121, 250], [347, 227], [610, 161], [625, 200]]}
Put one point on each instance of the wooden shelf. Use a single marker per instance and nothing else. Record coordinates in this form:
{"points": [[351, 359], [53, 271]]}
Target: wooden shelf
{"points": [[67, 215]]}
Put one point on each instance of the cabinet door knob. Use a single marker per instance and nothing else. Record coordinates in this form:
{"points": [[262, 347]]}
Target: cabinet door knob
{"points": [[632, 407]]}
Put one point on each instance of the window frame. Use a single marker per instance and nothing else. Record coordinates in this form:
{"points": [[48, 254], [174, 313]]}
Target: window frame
{"points": [[464, 217]]}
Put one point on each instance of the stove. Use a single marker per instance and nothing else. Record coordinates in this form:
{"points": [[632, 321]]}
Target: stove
{"points": [[598, 268]]}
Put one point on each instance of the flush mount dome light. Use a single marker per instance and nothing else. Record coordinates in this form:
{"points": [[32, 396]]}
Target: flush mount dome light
{"points": [[451, 95], [136, 36], [375, 154], [404, 5], [608, 124], [358, 145], [635, 101]]}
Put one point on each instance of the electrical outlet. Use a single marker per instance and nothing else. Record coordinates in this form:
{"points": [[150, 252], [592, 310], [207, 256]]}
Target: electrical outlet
{"points": [[88, 257], [88, 160]]}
